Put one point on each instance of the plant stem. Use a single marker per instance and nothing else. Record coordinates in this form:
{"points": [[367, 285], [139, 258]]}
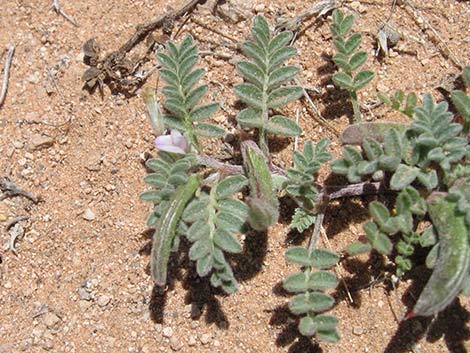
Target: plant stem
{"points": [[357, 116], [316, 231]]}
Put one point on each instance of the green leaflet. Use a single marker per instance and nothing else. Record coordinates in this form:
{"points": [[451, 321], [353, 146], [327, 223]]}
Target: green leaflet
{"points": [[302, 219], [166, 228], [396, 101]]}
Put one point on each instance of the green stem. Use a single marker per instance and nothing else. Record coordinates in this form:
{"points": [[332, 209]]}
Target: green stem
{"points": [[357, 115], [262, 141]]}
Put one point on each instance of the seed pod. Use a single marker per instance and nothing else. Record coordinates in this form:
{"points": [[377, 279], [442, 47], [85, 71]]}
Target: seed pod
{"points": [[453, 262], [165, 229]]}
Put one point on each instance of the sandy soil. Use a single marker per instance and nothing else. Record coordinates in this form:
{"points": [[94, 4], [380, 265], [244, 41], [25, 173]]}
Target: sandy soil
{"points": [[80, 282]]}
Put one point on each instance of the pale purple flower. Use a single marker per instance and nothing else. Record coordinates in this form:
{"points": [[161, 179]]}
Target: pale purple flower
{"points": [[174, 142]]}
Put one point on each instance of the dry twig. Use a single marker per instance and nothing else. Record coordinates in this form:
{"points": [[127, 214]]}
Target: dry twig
{"points": [[56, 6], [319, 9], [10, 189], [6, 73]]}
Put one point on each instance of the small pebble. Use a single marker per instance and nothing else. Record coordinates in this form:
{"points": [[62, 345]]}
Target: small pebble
{"points": [[103, 300], [167, 332], [89, 215], [50, 319], [34, 78], [83, 294], [48, 345], [84, 304], [18, 144], [259, 8], [357, 330], [38, 142], [192, 341], [175, 343], [205, 338]]}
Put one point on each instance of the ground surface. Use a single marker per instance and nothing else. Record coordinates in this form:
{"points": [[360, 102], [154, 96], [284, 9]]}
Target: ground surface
{"points": [[80, 280]]}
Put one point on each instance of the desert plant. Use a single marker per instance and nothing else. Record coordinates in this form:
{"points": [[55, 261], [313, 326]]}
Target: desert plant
{"points": [[424, 164]]}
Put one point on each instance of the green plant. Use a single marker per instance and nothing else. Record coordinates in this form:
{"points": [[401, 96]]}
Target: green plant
{"points": [[348, 60], [183, 94], [310, 284], [424, 164], [265, 88], [430, 164], [396, 102]]}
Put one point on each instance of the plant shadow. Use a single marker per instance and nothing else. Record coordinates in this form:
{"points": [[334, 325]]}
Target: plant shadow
{"points": [[363, 275], [451, 324], [289, 335], [204, 299], [249, 262], [200, 294]]}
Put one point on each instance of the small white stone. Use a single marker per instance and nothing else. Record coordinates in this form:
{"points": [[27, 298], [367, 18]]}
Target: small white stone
{"points": [[18, 144], [175, 343], [192, 341], [83, 294], [259, 8], [50, 319], [103, 300], [89, 215], [38, 142], [167, 332], [205, 338]]}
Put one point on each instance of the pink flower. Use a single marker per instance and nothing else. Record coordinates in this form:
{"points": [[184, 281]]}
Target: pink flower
{"points": [[174, 142]]}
